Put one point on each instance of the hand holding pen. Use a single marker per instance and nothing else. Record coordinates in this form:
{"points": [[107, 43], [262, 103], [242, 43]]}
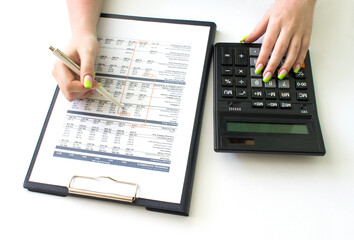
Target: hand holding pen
{"points": [[87, 79], [82, 49]]}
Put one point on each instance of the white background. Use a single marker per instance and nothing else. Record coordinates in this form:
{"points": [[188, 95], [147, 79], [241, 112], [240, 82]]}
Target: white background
{"points": [[239, 196]]}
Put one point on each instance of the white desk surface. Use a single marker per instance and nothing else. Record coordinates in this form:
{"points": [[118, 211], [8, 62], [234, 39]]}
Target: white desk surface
{"points": [[241, 196]]}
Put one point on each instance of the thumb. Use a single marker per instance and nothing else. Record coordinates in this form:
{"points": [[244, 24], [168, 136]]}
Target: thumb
{"points": [[87, 69]]}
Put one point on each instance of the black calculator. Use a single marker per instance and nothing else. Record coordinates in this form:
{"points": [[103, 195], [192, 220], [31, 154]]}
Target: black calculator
{"points": [[279, 116]]}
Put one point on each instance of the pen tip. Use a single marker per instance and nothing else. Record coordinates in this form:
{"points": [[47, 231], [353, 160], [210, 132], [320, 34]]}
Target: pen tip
{"points": [[51, 48]]}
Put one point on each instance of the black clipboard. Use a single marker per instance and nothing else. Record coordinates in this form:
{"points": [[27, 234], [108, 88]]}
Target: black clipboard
{"points": [[183, 207]]}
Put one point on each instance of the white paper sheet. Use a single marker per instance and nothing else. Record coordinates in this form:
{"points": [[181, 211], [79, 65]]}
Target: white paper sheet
{"points": [[154, 69]]}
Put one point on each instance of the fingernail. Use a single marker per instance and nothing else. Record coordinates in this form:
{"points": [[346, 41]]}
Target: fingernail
{"points": [[297, 68], [282, 74], [259, 68], [267, 77], [244, 38], [88, 81]]}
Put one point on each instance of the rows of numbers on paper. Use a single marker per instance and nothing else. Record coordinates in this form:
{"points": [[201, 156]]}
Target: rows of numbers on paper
{"points": [[148, 78]]}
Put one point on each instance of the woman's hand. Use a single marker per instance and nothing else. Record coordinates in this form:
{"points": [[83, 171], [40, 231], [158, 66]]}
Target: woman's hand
{"points": [[82, 49], [286, 27]]}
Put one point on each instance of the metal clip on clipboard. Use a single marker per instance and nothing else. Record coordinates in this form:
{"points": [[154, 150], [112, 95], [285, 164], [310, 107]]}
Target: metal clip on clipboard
{"points": [[103, 187]]}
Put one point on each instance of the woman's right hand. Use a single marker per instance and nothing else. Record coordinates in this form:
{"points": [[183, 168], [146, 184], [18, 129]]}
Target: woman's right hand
{"points": [[286, 27], [82, 49]]}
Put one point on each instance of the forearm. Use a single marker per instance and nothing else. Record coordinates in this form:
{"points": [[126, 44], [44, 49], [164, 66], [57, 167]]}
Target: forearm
{"points": [[84, 15]]}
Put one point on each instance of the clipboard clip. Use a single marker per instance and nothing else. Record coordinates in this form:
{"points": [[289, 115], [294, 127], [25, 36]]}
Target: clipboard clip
{"points": [[103, 187]]}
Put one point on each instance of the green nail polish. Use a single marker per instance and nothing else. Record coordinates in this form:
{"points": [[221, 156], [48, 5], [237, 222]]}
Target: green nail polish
{"points": [[267, 78], [258, 70], [281, 76], [87, 83], [296, 70], [244, 38]]}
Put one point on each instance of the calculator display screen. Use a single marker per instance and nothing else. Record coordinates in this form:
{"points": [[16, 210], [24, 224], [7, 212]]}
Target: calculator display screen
{"points": [[266, 128]]}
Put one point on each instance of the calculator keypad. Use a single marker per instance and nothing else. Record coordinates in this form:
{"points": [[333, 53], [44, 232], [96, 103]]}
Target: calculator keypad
{"points": [[278, 116], [240, 83]]}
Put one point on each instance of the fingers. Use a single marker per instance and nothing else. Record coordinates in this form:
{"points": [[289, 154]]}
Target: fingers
{"points": [[280, 44], [83, 51], [281, 41], [270, 41], [71, 88], [287, 30], [302, 53], [296, 54], [292, 55], [87, 57]]}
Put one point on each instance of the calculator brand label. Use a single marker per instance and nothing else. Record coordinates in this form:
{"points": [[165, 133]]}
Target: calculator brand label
{"points": [[234, 109]]}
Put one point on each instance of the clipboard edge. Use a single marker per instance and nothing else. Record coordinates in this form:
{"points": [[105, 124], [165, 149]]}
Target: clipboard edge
{"points": [[193, 153], [27, 184], [46, 188], [212, 25]]}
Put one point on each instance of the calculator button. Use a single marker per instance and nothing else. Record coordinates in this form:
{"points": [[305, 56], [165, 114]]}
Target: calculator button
{"points": [[256, 82], [272, 105], [300, 74], [270, 84], [301, 84], [227, 71], [226, 57], [240, 71], [302, 96], [227, 93], [241, 57], [284, 95], [257, 94], [285, 105], [241, 82], [271, 94], [254, 52], [241, 93], [303, 107], [284, 84], [258, 104], [253, 61], [234, 104], [227, 82]]}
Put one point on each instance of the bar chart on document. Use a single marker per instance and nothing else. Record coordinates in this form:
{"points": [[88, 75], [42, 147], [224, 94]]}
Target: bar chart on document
{"points": [[148, 78]]}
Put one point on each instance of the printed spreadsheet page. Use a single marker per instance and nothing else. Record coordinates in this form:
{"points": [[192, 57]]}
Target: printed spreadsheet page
{"points": [[154, 69]]}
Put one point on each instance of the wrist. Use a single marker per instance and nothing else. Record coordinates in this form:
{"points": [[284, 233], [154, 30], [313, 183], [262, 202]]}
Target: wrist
{"points": [[84, 29], [84, 16], [84, 41]]}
